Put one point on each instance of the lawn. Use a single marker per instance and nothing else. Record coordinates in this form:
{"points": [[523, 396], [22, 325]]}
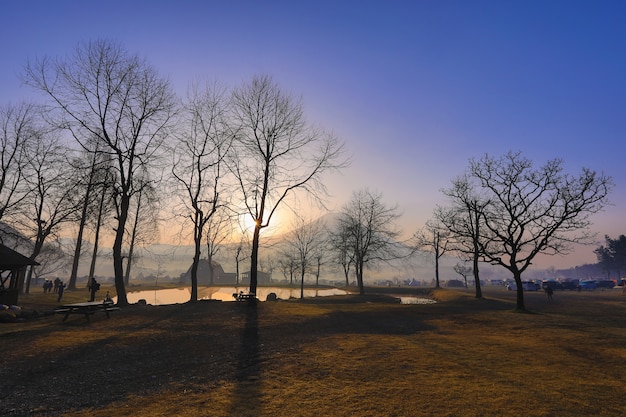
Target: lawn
{"points": [[337, 356]]}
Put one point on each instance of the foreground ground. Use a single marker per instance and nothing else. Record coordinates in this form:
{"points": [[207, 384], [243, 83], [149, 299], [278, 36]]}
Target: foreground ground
{"points": [[339, 356]]}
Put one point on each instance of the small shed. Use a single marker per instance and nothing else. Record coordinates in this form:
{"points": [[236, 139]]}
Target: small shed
{"points": [[12, 265]]}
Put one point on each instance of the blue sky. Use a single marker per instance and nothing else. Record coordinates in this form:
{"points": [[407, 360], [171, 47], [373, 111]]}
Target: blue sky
{"points": [[414, 88]]}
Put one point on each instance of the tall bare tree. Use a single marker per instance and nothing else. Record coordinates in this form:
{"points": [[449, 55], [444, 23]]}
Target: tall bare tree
{"points": [[91, 165], [201, 148], [534, 211], [52, 200], [18, 126], [103, 91], [369, 228], [144, 221], [277, 154]]}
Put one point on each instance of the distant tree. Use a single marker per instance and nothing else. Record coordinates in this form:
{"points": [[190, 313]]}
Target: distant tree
{"points": [[277, 154], [434, 238], [612, 257], [371, 237], [463, 220], [339, 243], [305, 242], [533, 211], [463, 270], [288, 264], [104, 92]]}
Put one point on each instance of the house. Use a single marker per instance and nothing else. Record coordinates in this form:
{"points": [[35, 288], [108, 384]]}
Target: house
{"points": [[12, 269], [204, 275], [261, 277]]}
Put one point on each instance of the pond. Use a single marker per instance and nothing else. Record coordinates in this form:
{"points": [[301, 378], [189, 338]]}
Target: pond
{"points": [[182, 295]]}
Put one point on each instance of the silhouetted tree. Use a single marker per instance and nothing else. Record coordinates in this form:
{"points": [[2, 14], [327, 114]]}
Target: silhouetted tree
{"points": [[368, 226], [463, 220], [18, 126], [435, 238], [612, 257], [277, 154], [202, 145], [103, 92], [534, 210]]}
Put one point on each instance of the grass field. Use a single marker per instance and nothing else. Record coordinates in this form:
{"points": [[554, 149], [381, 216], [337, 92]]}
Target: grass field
{"points": [[339, 356]]}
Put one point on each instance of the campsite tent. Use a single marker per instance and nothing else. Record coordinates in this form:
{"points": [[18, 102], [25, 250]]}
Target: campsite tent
{"points": [[12, 265]]}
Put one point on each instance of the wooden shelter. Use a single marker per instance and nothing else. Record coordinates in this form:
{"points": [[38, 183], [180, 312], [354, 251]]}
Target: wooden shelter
{"points": [[12, 265]]}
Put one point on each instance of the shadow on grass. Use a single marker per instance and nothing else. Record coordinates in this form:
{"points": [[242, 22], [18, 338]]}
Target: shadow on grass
{"points": [[246, 397]]}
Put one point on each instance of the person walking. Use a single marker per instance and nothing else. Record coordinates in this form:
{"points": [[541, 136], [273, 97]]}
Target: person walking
{"points": [[60, 291]]}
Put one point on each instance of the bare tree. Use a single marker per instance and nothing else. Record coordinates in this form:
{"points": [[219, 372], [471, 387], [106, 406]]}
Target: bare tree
{"points": [[102, 91], [277, 154], [463, 270], [52, 200], [436, 239], [370, 232], [305, 242], [218, 231], [463, 220], [199, 155], [18, 126], [534, 210], [339, 242], [144, 221], [91, 165]]}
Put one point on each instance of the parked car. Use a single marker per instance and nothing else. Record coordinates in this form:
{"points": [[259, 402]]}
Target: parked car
{"points": [[555, 285], [605, 284], [569, 285], [587, 285]]}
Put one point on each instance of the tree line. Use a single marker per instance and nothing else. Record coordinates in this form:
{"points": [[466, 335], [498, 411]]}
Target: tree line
{"points": [[113, 147]]}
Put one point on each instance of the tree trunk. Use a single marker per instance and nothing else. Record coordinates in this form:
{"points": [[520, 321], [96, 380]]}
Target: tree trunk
{"points": [[520, 291], [122, 299], [302, 283], [479, 292], [79, 241], [94, 256], [437, 270], [254, 258]]}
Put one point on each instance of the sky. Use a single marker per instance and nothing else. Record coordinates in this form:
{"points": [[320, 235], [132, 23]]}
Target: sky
{"points": [[414, 88]]}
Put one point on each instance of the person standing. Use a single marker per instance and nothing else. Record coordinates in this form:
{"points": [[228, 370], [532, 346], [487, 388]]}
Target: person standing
{"points": [[95, 286], [60, 290]]}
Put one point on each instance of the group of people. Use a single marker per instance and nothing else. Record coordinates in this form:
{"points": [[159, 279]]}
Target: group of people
{"points": [[58, 287]]}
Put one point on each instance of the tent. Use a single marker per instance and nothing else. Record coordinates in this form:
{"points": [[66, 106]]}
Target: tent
{"points": [[12, 265]]}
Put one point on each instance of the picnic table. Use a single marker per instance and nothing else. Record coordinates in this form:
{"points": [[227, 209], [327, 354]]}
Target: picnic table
{"points": [[87, 309], [241, 296]]}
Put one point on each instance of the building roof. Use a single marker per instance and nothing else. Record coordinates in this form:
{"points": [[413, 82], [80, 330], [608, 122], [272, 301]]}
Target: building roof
{"points": [[10, 259]]}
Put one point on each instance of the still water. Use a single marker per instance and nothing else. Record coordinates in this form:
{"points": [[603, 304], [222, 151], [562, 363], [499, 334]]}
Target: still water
{"points": [[182, 295]]}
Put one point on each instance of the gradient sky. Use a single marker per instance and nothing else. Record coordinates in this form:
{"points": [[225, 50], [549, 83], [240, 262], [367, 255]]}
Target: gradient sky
{"points": [[414, 88]]}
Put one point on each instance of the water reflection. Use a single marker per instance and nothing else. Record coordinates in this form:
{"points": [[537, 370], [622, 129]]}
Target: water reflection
{"points": [[182, 295]]}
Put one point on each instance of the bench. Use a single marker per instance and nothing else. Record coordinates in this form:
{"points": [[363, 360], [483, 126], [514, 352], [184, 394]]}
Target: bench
{"points": [[87, 309], [244, 297]]}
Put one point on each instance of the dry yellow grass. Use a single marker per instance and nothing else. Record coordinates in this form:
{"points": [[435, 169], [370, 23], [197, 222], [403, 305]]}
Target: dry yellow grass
{"points": [[460, 357]]}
